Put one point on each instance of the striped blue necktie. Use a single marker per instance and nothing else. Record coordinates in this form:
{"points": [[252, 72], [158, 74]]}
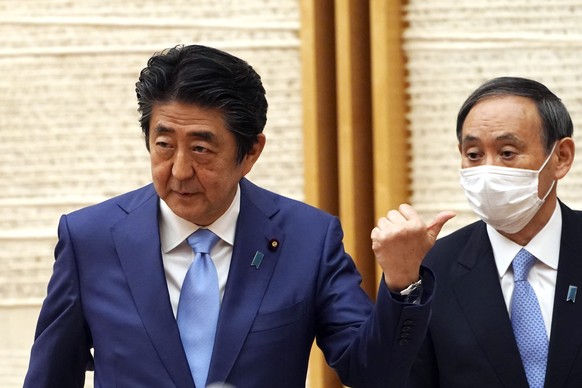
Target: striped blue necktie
{"points": [[199, 305]]}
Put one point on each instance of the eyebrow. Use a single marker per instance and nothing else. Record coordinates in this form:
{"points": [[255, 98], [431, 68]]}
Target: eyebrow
{"points": [[200, 134], [503, 137], [469, 138]]}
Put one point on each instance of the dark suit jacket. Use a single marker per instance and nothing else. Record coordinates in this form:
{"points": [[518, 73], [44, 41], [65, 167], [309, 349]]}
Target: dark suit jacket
{"points": [[470, 341], [108, 292]]}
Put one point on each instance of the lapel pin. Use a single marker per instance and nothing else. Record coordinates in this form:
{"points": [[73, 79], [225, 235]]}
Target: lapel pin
{"points": [[571, 297], [257, 260], [273, 244]]}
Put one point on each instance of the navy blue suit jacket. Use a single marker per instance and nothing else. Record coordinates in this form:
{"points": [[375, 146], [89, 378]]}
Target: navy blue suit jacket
{"points": [[108, 292], [470, 341]]}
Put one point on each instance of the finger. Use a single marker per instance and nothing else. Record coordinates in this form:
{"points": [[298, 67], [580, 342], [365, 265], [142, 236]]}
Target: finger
{"points": [[375, 233], [408, 212], [396, 217], [413, 220], [382, 223], [434, 228]]}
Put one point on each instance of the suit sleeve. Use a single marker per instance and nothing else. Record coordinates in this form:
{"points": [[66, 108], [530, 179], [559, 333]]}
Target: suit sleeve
{"points": [[424, 373], [61, 350], [369, 345]]}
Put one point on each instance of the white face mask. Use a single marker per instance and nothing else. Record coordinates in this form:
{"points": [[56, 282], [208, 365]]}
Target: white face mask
{"points": [[505, 198]]}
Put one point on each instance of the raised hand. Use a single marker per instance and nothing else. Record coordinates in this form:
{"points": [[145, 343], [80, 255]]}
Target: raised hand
{"points": [[401, 240]]}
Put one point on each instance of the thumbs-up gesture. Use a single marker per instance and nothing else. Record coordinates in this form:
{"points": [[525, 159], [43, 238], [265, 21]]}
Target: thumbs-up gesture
{"points": [[401, 240]]}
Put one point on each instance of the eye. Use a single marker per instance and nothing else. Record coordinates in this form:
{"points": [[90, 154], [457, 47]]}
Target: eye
{"points": [[199, 149], [507, 154], [162, 144], [473, 155]]}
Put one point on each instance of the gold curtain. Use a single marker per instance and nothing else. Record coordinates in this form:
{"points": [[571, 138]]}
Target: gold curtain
{"points": [[355, 137]]}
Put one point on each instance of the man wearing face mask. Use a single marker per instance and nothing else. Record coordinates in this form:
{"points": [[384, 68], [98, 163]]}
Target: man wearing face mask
{"points": [[505, 312]]}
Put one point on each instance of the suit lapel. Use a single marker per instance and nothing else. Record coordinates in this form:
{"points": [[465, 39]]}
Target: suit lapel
{"points": [[478, 292], [137, 242], [246, 284], [566, 334]]}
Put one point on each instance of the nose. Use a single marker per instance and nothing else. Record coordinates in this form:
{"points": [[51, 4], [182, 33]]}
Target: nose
{"points": [[490, 159], [182, 167]]}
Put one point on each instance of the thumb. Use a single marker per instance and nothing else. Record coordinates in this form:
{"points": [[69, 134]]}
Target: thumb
{"points": [[434, 228]]}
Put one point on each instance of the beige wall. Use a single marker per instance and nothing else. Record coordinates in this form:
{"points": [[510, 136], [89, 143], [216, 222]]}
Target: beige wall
{"points": [[68, 121]]}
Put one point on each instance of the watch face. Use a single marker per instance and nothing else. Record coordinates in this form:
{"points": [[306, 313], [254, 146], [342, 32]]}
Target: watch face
{"points": [[412, 293], [414, 286]]}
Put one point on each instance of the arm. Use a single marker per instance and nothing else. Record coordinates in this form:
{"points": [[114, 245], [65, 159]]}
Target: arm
{"points": [[368, 345], [424, 373], [60, 353]]}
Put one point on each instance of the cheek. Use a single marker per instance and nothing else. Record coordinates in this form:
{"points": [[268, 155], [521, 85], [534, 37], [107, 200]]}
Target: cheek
{"points": [[217, 181], [160, 171], [210, 181], [547, 178]]}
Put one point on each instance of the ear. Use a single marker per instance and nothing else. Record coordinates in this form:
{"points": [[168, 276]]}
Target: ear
{"points": [[565, 150], [254, 153]]}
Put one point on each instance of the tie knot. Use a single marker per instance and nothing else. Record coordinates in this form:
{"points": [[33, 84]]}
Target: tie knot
{"points": [[522, 263], [202, 240]]}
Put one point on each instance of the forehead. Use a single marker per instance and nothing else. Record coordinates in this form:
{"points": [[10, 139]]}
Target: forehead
{"points": [[508, 117], [178, 116]]}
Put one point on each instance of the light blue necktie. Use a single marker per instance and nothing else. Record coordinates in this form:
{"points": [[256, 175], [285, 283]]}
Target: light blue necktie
{"points": [[528, 324], [198, 306]]}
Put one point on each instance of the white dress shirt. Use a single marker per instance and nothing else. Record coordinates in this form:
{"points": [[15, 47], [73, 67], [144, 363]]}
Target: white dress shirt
{"points": [[177, 255], [545, 246]]}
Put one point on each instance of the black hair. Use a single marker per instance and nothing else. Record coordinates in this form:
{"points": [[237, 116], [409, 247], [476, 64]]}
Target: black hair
{"points": [[209, 78], [556, 121]]}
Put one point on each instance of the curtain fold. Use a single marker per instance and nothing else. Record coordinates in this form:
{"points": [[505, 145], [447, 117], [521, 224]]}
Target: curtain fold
{"points": [[354, 120]]}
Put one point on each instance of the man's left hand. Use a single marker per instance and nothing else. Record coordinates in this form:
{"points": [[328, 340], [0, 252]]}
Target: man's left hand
{"points": [[401, 240]]}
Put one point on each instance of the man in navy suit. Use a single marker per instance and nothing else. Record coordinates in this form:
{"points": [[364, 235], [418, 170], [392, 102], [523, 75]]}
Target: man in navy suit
{"points": [[515, 140], [283, 276]]}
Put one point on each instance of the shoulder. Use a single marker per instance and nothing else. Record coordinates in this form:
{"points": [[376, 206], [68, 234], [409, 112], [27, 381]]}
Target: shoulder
{"points": [[570, 215], [301, 223], [114, 207], [275, 205]]}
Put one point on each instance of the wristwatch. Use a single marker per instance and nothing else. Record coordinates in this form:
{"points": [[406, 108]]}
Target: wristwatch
{"points": [[413, 292], [411, 288]]}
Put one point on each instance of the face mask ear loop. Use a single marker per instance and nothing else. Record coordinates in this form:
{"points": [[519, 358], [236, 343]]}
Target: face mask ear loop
{"points": [[549, 191], [544, 165], [548, 158]]}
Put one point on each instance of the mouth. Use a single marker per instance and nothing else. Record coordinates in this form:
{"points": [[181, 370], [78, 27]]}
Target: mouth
{"points": [[184, 194]]}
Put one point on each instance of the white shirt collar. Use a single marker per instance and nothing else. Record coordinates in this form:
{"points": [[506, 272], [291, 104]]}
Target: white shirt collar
{"points": [[545, 245], [174, 229]]}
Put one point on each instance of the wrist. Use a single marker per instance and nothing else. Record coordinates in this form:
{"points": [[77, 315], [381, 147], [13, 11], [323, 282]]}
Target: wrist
{"points": [[395, 285]]}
